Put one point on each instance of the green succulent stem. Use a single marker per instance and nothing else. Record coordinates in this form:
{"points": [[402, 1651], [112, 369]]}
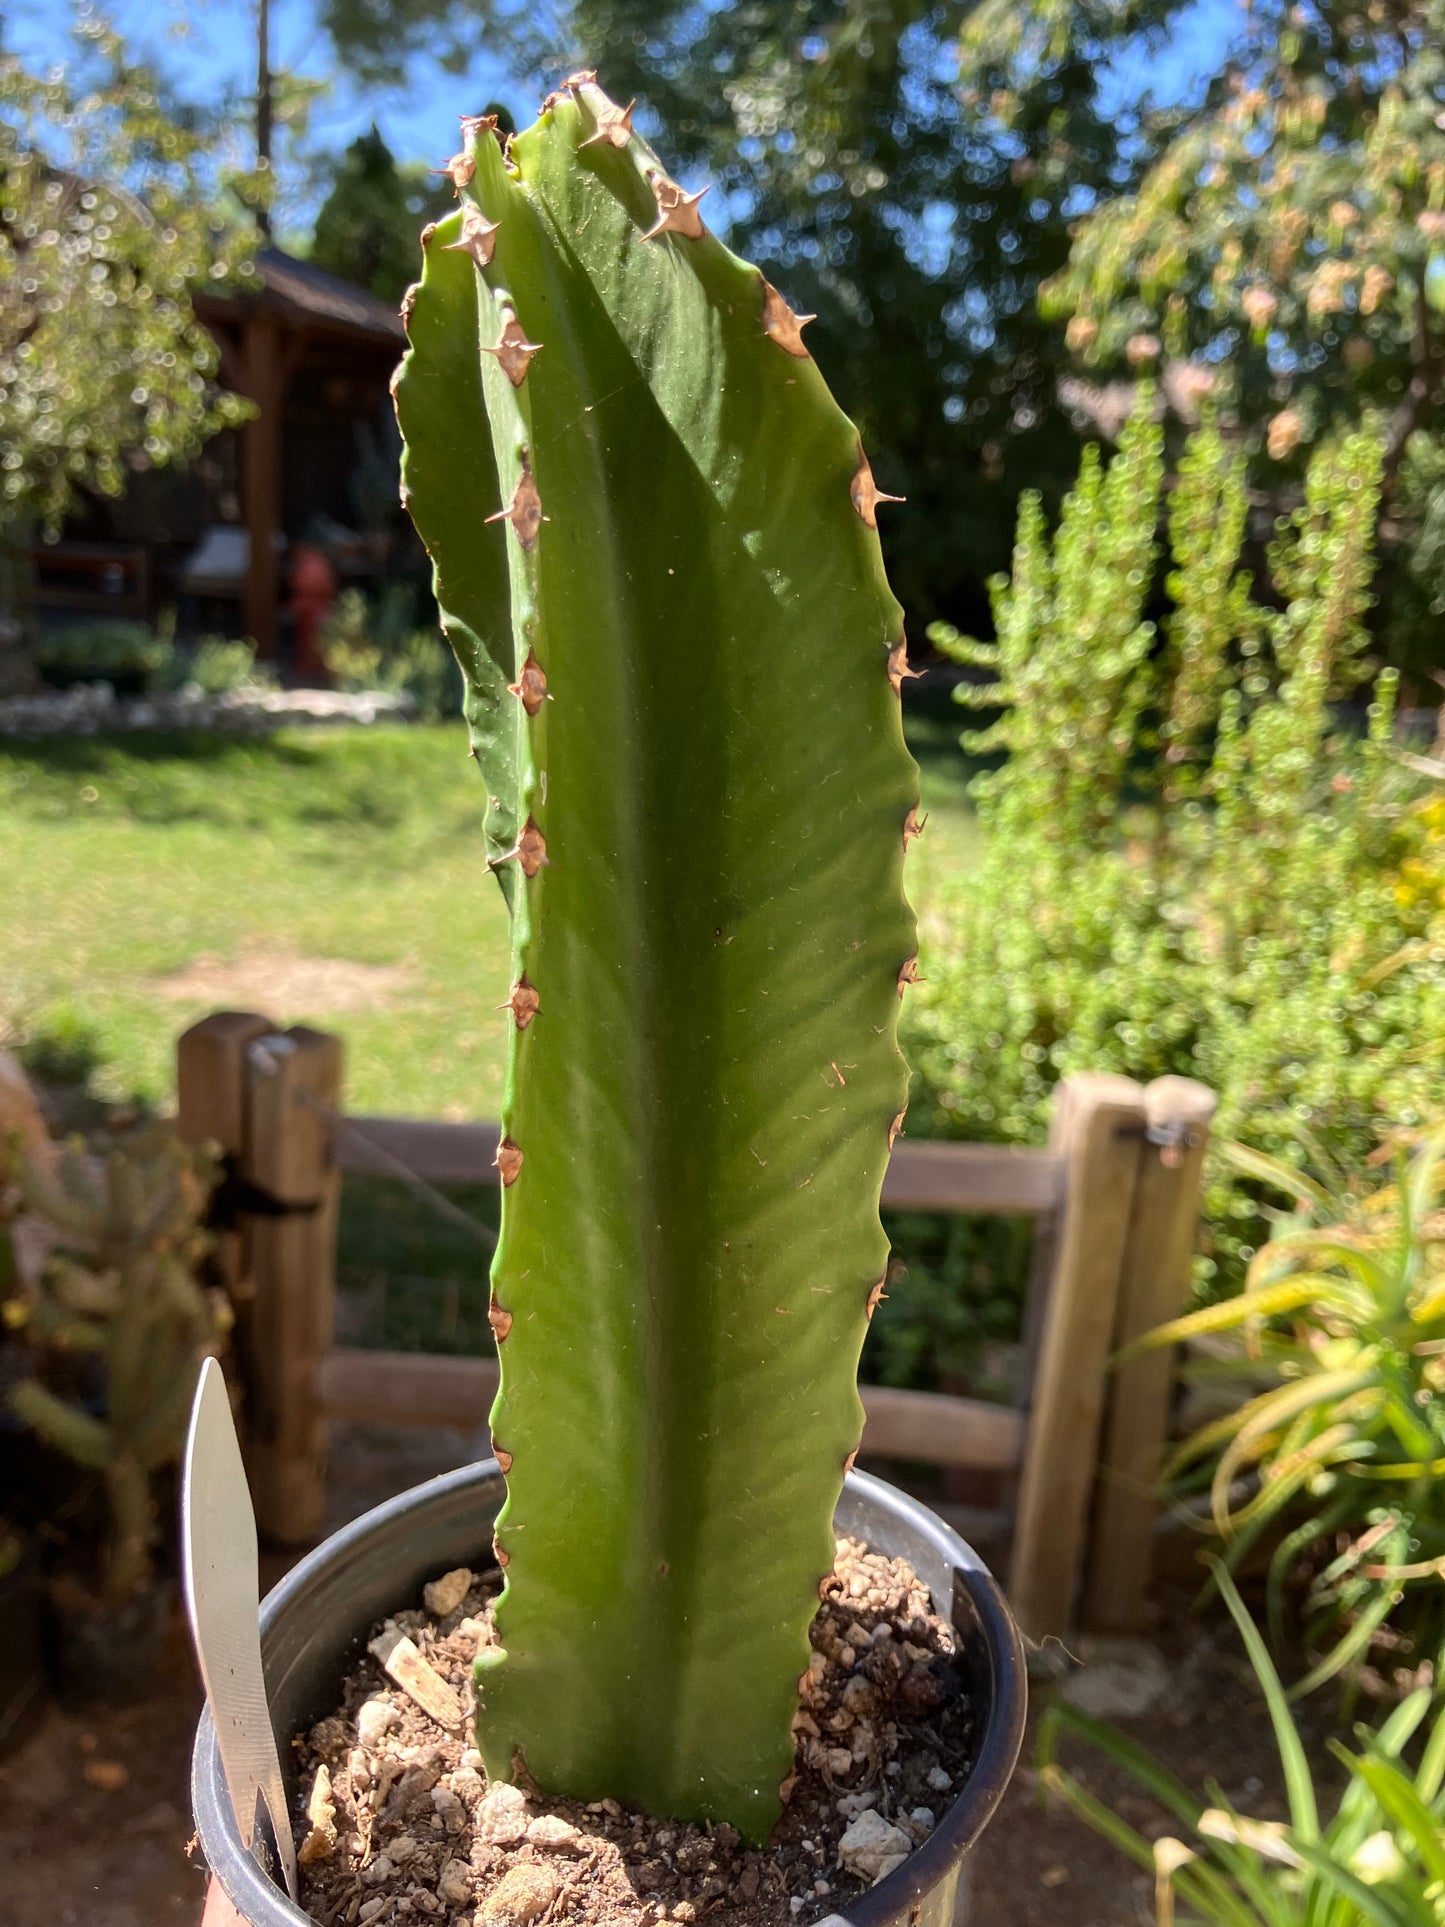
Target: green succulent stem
{"points": [[656, 554]]}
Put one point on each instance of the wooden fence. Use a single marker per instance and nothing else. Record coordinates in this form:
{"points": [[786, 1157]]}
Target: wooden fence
{"points": [[1114, 1197]]}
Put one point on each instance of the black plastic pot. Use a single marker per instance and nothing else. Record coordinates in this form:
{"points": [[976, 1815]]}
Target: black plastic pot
{"points": [[315, 1620]]}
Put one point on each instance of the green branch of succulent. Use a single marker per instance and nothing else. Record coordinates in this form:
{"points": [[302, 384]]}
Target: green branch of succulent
{"points": [[126, 1289], [689, 720]]}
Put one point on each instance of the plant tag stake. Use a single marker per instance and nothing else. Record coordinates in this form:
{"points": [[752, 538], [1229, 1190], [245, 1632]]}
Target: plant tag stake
{"points": [[218, 1554]]}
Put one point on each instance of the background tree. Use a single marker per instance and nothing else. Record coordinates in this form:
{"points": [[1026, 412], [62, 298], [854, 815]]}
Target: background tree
{"points": [[1289, 241], [115, 210], [912, 199], [368, 226]]}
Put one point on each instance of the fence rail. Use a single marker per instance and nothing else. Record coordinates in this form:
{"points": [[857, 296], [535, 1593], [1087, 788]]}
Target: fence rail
{"points": [[1115, 1197], [921, 1177]]}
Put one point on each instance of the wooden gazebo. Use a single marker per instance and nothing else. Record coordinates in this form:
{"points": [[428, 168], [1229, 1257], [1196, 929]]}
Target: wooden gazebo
{"points": [[315, 355]]}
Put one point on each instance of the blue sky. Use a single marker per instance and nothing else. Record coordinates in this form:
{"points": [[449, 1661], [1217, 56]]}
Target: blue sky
{"points": [[209, 47]]}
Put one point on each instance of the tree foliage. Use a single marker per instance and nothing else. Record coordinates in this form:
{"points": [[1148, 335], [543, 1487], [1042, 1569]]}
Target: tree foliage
{"points": [[1290, 237], [910, 193], [367, 227], [113, 212]]}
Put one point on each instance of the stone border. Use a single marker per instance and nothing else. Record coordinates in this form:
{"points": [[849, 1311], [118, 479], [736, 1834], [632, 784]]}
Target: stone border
{"points": [[91, 709]]}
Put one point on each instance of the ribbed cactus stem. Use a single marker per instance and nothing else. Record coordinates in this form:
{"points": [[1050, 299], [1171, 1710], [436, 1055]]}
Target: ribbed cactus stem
{"points": [[654, 540]]}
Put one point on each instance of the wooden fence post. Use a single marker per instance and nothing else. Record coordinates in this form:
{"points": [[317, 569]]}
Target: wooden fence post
{"points": [[1096, 1127], [1154, 1286], [211, 1078], [293, 1083], [211, 1109]]}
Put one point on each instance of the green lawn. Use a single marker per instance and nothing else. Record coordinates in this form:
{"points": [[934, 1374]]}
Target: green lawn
{"points": [[129, 861]]}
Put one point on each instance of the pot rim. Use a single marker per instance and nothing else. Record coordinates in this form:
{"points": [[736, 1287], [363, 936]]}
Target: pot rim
{"points": [[260, 1901]]}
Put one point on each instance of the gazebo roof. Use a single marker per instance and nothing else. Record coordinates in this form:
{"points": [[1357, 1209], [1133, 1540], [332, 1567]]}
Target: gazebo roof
{"points": [[305, 296]]}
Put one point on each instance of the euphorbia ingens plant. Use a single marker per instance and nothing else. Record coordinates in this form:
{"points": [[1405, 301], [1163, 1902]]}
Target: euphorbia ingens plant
{"points": [[656, 555]]}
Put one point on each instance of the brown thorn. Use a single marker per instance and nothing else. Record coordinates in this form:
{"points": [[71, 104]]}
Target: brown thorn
{"points": [[524, 1003], [509, 1162], [676, 209], [584, 77], [913, 825], [513, 350], [500, 1554], [504, 1459], [500, 1320], [865, 492], [524, 511], [898, 670], [614, 125], [896, 1127], [530, 850], [458, 170], [877, 1294], [785, 327], [408, 304], [474, 124], [850, 1461], [478, 237], [531, 685], [908, 974], [427, 232]]}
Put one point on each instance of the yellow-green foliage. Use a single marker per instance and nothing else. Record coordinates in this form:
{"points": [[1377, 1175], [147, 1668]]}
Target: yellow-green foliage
{"points": [[1193, 856]]}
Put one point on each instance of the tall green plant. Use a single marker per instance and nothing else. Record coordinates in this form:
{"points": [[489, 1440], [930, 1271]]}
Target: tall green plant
{"points": [[655, 550], [1229, 910], [1068, 666]]}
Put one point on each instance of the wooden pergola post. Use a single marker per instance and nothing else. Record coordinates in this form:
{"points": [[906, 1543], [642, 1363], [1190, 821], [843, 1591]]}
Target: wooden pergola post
{"points": [[261, 480]]}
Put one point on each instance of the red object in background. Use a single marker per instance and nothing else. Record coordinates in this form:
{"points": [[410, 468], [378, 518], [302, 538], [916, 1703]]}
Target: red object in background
{"points": [[313, 592]]}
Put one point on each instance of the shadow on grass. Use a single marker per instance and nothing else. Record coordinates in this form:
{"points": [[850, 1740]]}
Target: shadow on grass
{"points": [[348, 780]]}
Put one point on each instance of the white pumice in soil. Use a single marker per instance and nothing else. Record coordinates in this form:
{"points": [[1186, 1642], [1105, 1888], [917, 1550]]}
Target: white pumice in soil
{"points": [[397, 1822]]}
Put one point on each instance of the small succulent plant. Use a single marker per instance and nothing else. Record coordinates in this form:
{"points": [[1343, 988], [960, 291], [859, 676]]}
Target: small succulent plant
{"points": [[655, 543], [120, 1284]]}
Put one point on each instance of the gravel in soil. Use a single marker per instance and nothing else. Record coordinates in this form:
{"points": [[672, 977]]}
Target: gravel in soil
{"points": [[398, 1823]]}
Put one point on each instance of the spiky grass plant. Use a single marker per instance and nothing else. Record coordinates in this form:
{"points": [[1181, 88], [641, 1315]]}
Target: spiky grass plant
{"points": [[1339, 1453], [1378, 1861], [655, 547]]}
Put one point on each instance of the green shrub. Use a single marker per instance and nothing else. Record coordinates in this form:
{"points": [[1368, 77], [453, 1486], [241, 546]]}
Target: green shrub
{"points": [[1338, 1434], [127, 654], [364, 650], [1192, 855], [1379, 1861], [216, 666]]}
